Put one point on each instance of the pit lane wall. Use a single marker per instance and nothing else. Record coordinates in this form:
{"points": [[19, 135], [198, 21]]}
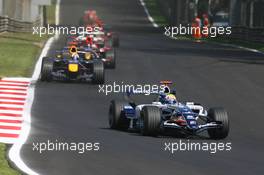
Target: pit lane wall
{"points": [[21, 15], [12, 25]]}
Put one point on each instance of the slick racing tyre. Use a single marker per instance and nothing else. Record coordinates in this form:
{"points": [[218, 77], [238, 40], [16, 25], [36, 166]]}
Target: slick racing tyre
{"points": [[111, 54], [115, 40], [98, 72], [151, 119], [46, 69], [218, 115], [117, 119]]}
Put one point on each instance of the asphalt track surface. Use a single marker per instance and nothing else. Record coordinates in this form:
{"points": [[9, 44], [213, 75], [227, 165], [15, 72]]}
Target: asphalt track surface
{"points": [[209, 74]]}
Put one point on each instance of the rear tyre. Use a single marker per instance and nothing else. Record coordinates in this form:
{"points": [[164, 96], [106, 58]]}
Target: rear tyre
{"points": [[218, 115], [115, 39], [117, 119], [151, 119], [111, 54], [98, 72], [46, 69]]}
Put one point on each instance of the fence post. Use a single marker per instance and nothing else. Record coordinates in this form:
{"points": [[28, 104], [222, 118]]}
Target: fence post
{"points": [[6, 23]]}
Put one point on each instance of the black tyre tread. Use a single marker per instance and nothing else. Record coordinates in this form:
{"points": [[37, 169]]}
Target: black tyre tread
{"points": [[98, 73], [219, 114], [115, 39], [46, 69], [115, 113], [152, 119]]}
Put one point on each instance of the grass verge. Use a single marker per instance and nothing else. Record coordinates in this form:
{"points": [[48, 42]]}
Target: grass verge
{"points": [[18, 53], [4, 166], [155, 12]]}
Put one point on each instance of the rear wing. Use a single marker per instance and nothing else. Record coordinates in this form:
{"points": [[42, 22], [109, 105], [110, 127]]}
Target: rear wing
{"points": [[164, 87], [140, 92], [133, 96]]}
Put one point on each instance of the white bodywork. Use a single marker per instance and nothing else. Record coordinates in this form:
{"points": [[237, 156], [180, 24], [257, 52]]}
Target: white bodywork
{"points": [[191, 105]]}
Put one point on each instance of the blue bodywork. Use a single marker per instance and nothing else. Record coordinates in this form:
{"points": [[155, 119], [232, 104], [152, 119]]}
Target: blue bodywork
{"points": [[167, 112]]}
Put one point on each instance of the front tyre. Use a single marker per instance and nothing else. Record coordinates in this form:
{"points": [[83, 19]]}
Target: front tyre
{"points": [[117, 119], [151, 120], [98, 73], [220, 116], [46, 69]]}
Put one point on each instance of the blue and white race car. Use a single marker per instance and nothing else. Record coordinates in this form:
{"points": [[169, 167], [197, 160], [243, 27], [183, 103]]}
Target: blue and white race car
{"points": [[167, 115]]}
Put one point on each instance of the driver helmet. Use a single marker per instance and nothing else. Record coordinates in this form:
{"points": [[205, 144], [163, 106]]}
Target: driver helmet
{"points": [[170, 99]]}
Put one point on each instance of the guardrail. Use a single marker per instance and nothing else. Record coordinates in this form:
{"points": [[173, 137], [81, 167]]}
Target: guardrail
{"points": [[13, 25], [248, 34]]}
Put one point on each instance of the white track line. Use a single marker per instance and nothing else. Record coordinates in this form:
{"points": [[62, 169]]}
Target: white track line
{"points": [[8, 83], [11, 85], [13, 90], [10, 131], [11, 112], [11, 118], [17, 79], [15, 82], [11, 105], [10, 124], [12, 81], [9, 140], [8, 90], [14, 153], [148, 15], [14, 87]]}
